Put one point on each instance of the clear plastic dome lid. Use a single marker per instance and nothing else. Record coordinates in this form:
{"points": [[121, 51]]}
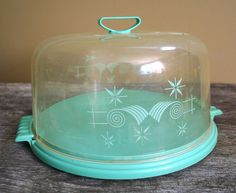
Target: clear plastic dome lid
{"points": [[122, 96]]}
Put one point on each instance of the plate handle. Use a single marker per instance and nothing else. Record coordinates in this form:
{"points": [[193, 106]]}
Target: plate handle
{"points": [[215, 112], [24, 132]]}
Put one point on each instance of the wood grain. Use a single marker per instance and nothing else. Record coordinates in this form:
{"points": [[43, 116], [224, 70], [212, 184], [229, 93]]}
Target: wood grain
{"points": [[21, 171]]}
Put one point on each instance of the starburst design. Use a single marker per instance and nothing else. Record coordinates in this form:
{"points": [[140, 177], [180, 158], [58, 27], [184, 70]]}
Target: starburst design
{"points": [[115, 95], [142, 134], [108, 140], [175, 87], [182, 129]]}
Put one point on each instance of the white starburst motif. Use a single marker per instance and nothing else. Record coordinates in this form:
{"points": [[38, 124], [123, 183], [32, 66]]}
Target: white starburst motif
{"points": [[142, 134], [182, 129], [175, 87], [108, 140], [115, 95]]}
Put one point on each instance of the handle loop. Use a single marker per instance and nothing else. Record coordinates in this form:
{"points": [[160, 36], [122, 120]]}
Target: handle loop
{"points": [[215, 112], [125, 31]]}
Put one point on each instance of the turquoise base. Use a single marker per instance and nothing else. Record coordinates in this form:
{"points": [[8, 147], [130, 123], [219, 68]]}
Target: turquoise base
{"points": [[127, 170]]}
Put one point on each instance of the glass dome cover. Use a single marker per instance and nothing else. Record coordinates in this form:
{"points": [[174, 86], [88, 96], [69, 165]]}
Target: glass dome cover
{"points": [[121, 106]]}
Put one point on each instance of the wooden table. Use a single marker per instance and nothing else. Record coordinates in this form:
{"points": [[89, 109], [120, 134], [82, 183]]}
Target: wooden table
{"points": [[21, 171]]}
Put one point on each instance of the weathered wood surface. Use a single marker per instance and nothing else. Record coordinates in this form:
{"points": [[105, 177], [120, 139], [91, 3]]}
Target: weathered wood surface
{"points": [[21, 171]]}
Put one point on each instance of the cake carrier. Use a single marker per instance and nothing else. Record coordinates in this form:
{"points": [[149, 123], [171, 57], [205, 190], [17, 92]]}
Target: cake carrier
{"points": [[121, 105]]}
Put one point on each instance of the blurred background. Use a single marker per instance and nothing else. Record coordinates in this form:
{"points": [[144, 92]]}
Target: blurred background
{"points": [[25, 23]]}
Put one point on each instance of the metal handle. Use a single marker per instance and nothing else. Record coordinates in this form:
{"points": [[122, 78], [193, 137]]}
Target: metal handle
{"points": [[125, 31]]}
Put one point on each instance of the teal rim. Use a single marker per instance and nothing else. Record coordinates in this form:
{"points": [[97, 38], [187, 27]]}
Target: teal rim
{"points": [[131, 170]]}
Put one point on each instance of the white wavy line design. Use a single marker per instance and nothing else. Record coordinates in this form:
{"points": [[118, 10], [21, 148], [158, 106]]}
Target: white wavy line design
{"points": [[137, 112], [156, 112], [159, 108], [140, 114]]}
